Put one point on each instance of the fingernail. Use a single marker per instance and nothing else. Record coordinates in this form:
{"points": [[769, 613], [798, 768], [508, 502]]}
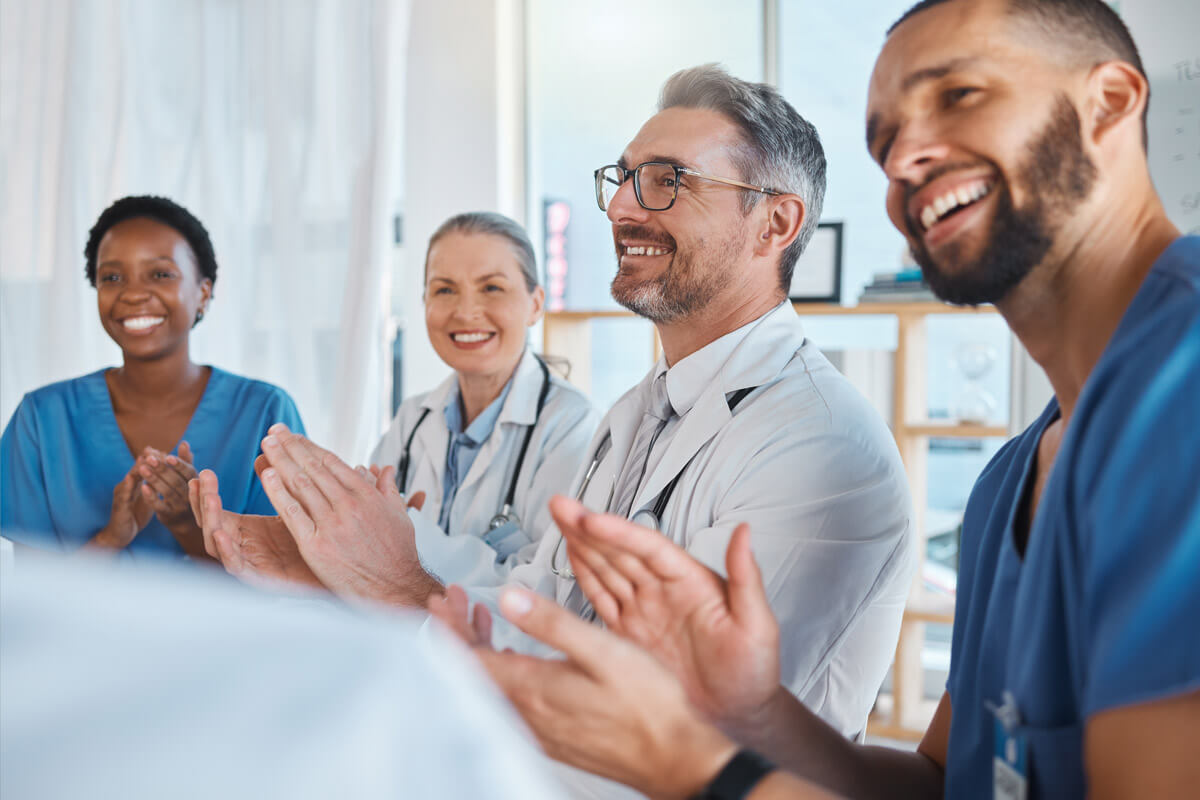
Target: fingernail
{"points": [[278, 427], [515, 602], [270, 441], [268, 474]]}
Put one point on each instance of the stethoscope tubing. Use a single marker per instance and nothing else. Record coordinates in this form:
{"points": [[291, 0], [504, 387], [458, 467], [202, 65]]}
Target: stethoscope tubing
{"points": [[505, 514]]}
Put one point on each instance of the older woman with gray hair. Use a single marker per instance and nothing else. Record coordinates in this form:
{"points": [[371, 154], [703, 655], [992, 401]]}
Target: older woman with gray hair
{"points": [[499, 437]]}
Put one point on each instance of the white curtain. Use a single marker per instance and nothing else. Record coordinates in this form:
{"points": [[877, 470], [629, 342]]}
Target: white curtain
{"points": [[276, 122]]}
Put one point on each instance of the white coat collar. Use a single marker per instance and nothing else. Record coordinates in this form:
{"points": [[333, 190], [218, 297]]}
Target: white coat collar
{"points": [[751, 356], [520, 410], [521, 404]]}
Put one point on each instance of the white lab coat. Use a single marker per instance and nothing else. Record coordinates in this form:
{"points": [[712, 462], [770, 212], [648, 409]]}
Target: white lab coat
{"points": [[469, 553], [813, 468]]}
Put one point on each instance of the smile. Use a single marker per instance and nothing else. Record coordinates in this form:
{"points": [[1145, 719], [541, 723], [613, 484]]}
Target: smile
{"points": [[142, 323], [953, 200], [645, 250], [472, 337]]}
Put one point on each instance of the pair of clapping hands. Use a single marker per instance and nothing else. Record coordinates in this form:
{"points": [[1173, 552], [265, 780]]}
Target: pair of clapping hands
{"points": [[685, 654], [156, 485], [342, 528]]}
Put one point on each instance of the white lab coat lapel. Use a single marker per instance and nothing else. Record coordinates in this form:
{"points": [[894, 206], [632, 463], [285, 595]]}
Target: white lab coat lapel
{"points": [[757, 359], [520, 410], [701, 424]]}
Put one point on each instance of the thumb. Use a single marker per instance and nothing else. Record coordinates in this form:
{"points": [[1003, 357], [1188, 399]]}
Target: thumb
{"points": [[260, 464], [385, 481], [185, 452], [544, 620], [747, 595], [417, 501]]}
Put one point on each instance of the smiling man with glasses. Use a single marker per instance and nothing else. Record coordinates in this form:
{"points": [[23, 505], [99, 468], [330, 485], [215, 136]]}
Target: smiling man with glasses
{"points": [[743, 420]]}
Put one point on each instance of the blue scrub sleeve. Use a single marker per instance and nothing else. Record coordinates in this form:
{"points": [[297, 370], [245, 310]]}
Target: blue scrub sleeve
{"points": [[1141, 591], [24, 504], [280, 409]]}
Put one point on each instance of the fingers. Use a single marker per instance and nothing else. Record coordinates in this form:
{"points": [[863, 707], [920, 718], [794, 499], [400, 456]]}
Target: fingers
{"points": [[295, 479], [615, 583], [481, 624], [451, 610], [417, 501], [183, 469], [185, 452], [747, 594], [607, 607], [545, 621], [210, 504], [568, 513], [261, 463], [297, 520], [164, 482], [194, 501], [662, 557]]}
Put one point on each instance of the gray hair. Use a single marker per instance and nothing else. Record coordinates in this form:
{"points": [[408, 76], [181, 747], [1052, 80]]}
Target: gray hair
{"points": [[493, 224], [782, 150]]}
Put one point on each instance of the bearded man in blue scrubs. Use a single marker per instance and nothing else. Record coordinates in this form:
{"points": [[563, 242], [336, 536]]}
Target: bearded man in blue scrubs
{"points": [[1012, 133]]}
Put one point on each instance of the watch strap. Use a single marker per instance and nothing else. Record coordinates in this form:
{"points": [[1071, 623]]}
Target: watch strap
{"points": [[738, 777]]}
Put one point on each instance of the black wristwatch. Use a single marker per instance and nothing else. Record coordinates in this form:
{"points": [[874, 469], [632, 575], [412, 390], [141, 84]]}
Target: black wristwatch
{"points": [[737, 778]]}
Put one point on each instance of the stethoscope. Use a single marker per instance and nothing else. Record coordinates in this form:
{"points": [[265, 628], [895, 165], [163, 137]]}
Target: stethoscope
{"points": [[648, 517], [506, 514]]}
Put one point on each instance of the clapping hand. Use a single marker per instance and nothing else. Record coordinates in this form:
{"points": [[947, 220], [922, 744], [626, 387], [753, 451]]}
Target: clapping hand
{"points": [[256, 549], [609, 708], [131, 512], [719, 637], [164, 487], [350, 526]]}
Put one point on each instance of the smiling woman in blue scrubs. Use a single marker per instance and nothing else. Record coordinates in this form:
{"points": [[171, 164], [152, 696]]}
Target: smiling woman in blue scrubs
{"points": [[102, 461]]}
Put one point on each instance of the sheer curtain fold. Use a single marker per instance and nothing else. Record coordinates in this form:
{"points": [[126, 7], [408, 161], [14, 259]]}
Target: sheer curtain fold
{"points": [[276, 123]]}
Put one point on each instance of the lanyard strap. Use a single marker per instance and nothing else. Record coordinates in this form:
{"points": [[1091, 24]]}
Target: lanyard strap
{"points": [[660, 503]]}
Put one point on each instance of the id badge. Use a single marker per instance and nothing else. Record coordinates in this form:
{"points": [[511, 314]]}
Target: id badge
{"points": [[1010, 772]]}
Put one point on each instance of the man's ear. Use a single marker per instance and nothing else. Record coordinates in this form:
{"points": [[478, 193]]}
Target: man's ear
{"points": [[1117, 96], [785, 216]]}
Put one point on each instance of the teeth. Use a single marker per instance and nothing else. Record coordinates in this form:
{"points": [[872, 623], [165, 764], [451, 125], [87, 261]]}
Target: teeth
{"points": [[141, 323], [941, 206], [470, 337], [646, 251]]}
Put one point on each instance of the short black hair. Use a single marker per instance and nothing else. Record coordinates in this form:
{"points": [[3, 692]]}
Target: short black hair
{"points": [[159, 209], [1088, 29]]}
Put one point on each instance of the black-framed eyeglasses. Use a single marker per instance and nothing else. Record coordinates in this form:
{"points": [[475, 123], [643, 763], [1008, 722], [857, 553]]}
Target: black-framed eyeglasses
{"points": [[656, 184]]}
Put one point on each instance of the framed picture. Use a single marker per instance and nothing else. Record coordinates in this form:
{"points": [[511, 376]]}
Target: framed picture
{"points": [[818, 274]]}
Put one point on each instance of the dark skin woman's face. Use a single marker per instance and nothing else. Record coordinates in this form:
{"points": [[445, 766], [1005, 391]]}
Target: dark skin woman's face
{"points": [[148, 288]]}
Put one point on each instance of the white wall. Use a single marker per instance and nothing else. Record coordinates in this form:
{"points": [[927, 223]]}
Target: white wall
{"points": [[463, 143]]}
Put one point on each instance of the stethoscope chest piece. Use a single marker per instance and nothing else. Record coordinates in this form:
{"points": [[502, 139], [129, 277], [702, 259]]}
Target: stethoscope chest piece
{"points": [[504, 517], [647, 518]]}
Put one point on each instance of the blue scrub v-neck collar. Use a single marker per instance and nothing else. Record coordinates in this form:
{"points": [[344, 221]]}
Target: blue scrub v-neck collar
{"points": [[106, 414]]}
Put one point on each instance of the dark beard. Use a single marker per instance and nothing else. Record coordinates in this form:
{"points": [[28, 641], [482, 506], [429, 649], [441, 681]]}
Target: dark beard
{"points": [[1058, 176], [682, 289]]}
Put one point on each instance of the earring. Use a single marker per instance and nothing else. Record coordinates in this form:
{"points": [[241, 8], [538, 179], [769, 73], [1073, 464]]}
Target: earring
{"points": [[199, 316]]}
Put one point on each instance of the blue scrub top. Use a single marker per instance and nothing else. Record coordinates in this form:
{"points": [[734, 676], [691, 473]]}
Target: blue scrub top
{"points": [[1102, 610], [62, 454]]}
